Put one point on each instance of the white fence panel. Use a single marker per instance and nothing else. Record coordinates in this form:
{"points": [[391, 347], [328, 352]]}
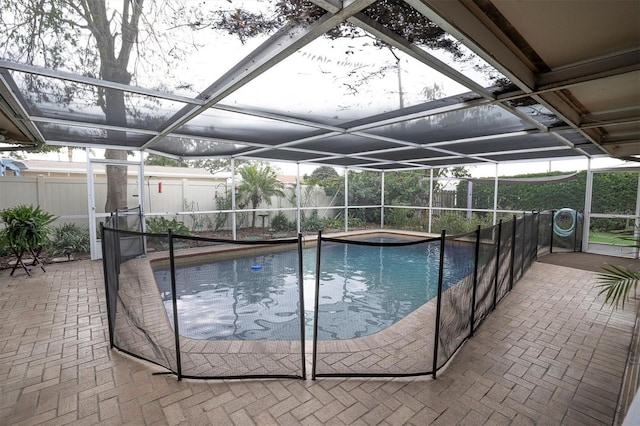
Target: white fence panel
{"points": [[66, 197], [18, 190]]}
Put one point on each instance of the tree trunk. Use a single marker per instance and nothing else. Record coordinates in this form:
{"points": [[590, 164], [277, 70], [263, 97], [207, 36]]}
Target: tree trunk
{"points": [[116, 174], [115, 114], [116, 182], [113, 67]]}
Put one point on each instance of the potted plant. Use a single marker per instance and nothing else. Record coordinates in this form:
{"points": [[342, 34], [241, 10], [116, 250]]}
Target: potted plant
{"points": [[26, 230]]}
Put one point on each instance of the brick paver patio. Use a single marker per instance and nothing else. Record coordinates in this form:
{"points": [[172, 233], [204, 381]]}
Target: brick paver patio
{"points": [[551, 353]]}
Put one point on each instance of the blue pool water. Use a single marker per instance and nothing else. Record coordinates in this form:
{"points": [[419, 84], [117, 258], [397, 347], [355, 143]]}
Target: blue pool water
{"points": [[363, 290]]}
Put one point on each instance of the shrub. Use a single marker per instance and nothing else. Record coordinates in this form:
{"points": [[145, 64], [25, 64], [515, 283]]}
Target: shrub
{"points": [[313, 223], [223, 202], [69, 238], [26, 227], [335, 223], [338, 223], [456, 223], [355, 222], [280, 222], [398, 217], [5, 250], [199, 221], [610, 225], [161, 225]]}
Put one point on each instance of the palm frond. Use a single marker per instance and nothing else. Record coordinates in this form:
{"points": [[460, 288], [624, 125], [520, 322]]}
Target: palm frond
{"points": [[616, 283]]}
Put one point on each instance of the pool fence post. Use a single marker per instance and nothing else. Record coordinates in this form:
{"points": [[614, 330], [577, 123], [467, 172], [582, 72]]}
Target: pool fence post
{"points": [[513, 252], [536, 230], [472, 320], [142, 229], [533, 247], [346, 199], [382, 201], [553, 213], [315, 309], [301, 303], [174, 301], [524, 242], [495, 280], [581, 241], [438, 304], [575, 231], [117, 248], [525, 245], [106, 283]]}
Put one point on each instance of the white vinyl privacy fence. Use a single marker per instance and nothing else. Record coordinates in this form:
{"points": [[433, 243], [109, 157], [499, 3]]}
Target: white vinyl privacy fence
{"points": [[180, 198]]}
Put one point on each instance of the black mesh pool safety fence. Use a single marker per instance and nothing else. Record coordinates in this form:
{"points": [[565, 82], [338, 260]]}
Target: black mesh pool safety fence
{"points": [[456, 295], [566, 230], [177, 308], [129, 246], [240, 316], [136, 324], [518, 254], [378, 304], [363, 286], [469, 275], [487, 266], [543, 237]]}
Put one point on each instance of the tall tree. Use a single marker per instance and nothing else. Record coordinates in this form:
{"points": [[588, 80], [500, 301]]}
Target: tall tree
{"points": [[52, 32], [160, 160], [259, 184], [113, 67], [395, 15], [213, 166], [100, 38]]}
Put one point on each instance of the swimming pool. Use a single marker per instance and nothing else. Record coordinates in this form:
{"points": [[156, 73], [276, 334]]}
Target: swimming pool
{"points": [[363, 289]]}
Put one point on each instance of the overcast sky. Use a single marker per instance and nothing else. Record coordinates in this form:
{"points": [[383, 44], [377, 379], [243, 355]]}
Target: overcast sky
{"points": [[489, 170], [326, 78]]}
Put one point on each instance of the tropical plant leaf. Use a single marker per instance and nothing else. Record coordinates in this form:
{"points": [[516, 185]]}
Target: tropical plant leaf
{"points": [[25, 227], [69, 237], [616, 283]]}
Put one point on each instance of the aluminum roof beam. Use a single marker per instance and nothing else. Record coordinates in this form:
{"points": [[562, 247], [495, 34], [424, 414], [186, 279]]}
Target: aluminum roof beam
{"points": [[460, 131], [457, 18], [414, 51], [15, 110], [589, 71], [275, 49], [454, 17], [91, 81]]}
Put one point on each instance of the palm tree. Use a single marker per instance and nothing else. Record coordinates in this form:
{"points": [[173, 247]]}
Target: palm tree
{"points": [[616, 282], [259, 184]]}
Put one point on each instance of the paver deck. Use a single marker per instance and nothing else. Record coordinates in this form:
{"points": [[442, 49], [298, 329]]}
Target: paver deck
{"points": [[550, 353]]}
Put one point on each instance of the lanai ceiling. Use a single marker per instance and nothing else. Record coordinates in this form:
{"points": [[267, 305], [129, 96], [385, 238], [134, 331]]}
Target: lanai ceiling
{"points": [[539, 80]]}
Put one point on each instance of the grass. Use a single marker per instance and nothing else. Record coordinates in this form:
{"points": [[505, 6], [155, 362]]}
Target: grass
{"points": [[625, 239]]}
